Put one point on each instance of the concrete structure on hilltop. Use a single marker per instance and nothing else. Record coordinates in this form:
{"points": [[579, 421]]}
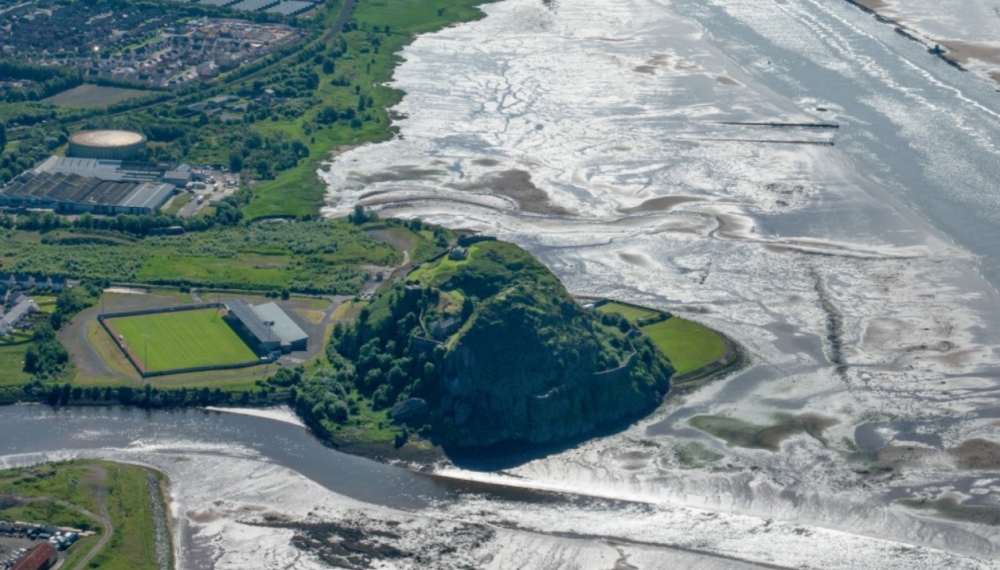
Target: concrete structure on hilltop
{"points": [[75, 185], [106, 145], [265, 328]]}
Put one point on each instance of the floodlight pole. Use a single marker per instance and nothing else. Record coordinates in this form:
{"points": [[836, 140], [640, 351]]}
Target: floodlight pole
{"points": [[145, 354]]}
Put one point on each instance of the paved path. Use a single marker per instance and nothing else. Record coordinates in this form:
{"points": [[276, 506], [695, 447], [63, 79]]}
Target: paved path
{"points": [[109, 529], [345, 13]]}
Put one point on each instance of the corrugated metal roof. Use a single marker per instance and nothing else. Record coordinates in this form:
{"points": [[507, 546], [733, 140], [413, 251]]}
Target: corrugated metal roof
{"points": [[251, 320], [147, 195], [283, 324]]}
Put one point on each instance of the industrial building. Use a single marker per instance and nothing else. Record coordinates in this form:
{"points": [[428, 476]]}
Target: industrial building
{"points": [[106, 145], [265, 328], [41, 557], [75, 185]]}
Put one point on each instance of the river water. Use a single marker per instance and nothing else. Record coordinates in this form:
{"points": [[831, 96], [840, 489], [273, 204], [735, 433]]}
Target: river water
{"points": [[681, 154]]}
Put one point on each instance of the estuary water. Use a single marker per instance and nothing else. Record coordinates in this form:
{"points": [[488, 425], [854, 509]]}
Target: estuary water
{"points": [[794, 173]]}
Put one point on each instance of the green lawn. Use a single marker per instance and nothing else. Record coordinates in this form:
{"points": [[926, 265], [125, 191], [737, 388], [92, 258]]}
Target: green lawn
{"points": [[11, 362], [631, 313], [689, 346], [183, 340]]}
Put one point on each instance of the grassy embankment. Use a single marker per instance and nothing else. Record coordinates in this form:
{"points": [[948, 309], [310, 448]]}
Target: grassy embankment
{"points": [[689, 345], [32, 494], [299, 191]]}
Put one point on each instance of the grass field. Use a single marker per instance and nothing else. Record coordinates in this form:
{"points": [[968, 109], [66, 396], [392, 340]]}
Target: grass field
{"points": [[629, 312], [183, 340], [89, 96], [689, 346]]}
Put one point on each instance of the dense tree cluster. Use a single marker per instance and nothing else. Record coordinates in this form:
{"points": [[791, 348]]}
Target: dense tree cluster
{"points": [[32, 147], [49, 80]]}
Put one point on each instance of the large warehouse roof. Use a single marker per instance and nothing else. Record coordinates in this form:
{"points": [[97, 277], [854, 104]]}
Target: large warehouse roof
{"points": [[103, 169], [90, 184], [147, 195]]}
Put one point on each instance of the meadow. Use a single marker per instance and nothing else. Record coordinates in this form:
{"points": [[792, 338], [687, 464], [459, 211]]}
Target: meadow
{"points": [[185, 339], [689, 345], [307, 257], [630, 312], [90, 96]]}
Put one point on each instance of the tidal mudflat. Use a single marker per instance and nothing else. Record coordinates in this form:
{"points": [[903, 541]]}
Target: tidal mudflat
{"points": [[804, 179]]}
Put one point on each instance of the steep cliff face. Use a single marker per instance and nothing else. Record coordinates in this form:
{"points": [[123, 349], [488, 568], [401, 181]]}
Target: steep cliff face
{"points": [[537, 368]]}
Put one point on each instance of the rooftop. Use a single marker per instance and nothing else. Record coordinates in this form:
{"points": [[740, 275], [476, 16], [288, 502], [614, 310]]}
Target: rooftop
{"points": [[107, 138], [283, 324], [252, 320]]}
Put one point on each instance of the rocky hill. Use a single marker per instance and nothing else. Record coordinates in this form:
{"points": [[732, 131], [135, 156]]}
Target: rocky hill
{"points": [[486, 347]]}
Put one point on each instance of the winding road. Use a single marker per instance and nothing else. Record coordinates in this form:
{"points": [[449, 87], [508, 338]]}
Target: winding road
{"points": [[104, 519]]}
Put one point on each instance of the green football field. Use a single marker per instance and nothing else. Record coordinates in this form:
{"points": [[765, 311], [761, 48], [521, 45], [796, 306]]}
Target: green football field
{"points": [[183, 340]]}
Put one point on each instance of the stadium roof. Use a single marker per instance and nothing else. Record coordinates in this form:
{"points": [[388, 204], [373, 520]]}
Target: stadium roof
{"points": [[252, 320], [36, 558], [283, 324]]}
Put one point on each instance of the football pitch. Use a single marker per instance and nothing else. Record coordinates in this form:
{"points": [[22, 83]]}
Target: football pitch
{"points": [[184, 339]]}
